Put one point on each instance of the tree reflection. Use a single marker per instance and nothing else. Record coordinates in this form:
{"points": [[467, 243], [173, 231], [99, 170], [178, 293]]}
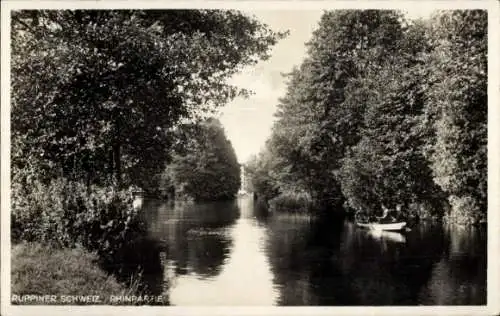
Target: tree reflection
{"points": [[386, 271], [330, 284], [206, 254], [324, 263], [287, 244], [301, 249], [460, 275], [196, 234], [141, 262]]}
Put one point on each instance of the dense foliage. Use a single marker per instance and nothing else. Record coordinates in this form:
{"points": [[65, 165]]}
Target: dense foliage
{"points": [[385, 112], [96, 98], [458, 110], [204, 165], [106, 87]]}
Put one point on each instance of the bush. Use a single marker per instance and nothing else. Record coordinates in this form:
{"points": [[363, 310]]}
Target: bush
{"points": [[66, 214], [37, 213], [427, 210], [291, 202], [464, 210]]}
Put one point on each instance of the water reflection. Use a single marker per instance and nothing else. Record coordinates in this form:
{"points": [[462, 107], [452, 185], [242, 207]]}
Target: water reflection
{"points": [[140, 261], [351, 266], [235, 253], [384, 236], [460, 275], [197, 235]]}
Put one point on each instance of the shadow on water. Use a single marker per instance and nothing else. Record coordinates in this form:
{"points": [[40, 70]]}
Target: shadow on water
{"points": [[460, 274], [146, 253], [300, 250], [139, 264], [260, 211], [196, 234], [327, 262]]}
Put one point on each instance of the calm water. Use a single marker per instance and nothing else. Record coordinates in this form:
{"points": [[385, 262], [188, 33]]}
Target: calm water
{"points": [[233, 253]]}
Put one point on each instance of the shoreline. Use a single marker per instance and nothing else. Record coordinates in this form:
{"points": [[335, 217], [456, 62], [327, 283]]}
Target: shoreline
{"points": [[42, 275]]}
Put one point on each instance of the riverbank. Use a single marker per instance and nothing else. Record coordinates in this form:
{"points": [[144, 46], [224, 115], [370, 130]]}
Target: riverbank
{"points": [[39, 269], [415, 212]]}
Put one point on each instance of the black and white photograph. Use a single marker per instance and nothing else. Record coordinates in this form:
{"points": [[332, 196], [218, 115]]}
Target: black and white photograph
{"points": [[241, 154]]}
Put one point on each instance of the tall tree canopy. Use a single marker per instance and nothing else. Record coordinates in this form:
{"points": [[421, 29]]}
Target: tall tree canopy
{"points": [[315, 123], [204, 167], [95, 93], [458, 110], [386, 111]]}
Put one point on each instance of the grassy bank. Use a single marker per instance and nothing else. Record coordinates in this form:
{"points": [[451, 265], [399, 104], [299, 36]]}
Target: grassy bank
{"points": [[42, 270]]}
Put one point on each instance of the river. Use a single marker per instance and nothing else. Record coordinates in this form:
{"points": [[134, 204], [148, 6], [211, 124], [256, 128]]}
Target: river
{"points": [[234, 253]]}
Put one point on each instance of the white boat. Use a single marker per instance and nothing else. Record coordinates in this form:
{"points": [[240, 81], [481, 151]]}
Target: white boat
{"points": [[379, 224], [387, 226]]}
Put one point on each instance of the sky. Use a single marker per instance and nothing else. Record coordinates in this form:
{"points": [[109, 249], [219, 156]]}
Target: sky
{"points": [[248, 122]]}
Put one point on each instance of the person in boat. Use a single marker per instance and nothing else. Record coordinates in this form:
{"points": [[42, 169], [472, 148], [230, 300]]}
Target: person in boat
{"points": [[387, 217], [362, 217], [399, 214]]}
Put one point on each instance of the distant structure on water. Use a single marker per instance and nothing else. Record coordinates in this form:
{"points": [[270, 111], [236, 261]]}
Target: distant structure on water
{"points": [[243, 185], [138, 199]]}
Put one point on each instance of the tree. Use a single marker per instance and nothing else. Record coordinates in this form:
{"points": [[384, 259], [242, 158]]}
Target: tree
{"points": [[206, 168], [260, 170], [458, 109], [105, 87], [317, 119], [387, 166]]}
